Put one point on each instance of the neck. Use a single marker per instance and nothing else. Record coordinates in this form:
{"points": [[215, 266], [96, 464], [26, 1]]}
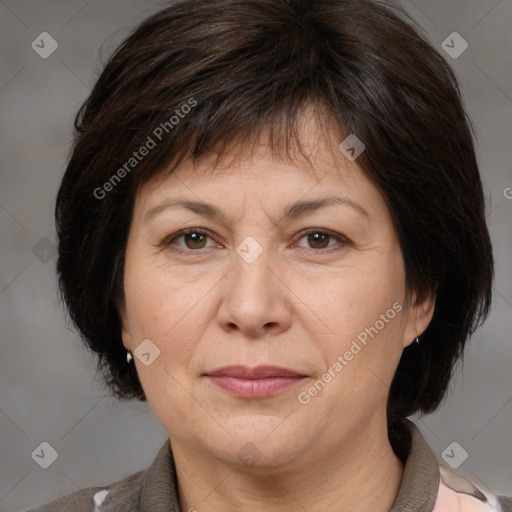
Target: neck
{"points": [[362, 474]]}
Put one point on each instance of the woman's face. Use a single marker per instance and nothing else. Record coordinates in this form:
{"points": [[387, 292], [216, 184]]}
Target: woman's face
{"points": [[267, 263]]}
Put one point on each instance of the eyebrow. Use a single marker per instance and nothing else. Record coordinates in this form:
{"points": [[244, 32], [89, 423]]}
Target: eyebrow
{"points": [[292, 211]]}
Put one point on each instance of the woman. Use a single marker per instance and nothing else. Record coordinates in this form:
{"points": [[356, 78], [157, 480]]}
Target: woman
{"points": [[272, 228]]}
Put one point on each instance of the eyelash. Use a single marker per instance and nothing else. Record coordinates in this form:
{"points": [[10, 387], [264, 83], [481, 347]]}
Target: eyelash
{"points": [[167, 242]]}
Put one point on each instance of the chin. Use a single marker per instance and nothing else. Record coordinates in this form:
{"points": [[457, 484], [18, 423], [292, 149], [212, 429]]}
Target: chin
{"points": [[260, 441]]}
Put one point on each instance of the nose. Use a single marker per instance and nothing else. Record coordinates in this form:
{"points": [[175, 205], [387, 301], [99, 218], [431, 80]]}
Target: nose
{"points": [[255, 300]]}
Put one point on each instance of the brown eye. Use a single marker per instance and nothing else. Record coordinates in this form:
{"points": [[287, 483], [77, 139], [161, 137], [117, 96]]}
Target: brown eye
{"points": [[195, 240], [318, 240], [189, 240]]}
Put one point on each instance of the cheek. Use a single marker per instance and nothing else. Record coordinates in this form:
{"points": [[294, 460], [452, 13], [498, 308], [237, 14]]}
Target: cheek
{"points": [[161, 304], [162, 308], [358, 315], [173, 313], [354, 299]]}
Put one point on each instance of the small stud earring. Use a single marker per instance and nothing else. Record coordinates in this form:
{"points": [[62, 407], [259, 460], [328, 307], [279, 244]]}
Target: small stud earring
{"points": [[129, 357], [417, 337]]}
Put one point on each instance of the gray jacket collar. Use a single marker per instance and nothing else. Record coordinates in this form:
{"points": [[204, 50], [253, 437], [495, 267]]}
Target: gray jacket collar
{"points": [[420, 481]]}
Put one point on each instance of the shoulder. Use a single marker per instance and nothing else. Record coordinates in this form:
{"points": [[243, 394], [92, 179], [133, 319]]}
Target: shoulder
{"points": [[125, 492], [457, 493], [429, 485], [144, 491]]}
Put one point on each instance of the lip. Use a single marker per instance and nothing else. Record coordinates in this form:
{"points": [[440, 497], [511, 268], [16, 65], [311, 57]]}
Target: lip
{"points": [[259, 372], [259, 382]]}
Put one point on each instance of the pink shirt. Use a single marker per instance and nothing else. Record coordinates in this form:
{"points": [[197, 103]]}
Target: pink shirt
{"points": [[458, 494]]}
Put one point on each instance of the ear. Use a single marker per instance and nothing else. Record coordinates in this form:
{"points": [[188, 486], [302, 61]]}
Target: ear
{"points": [[420, 313], [125, 327]]}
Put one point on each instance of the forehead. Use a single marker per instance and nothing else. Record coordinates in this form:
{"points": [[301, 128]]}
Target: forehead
{"points": [[307, 150]]}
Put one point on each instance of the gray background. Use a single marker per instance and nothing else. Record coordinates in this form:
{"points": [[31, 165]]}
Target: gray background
{"points": [[49, 390]]}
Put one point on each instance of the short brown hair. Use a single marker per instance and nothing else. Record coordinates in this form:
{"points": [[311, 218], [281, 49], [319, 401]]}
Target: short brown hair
{"points": [[230, 69]]}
